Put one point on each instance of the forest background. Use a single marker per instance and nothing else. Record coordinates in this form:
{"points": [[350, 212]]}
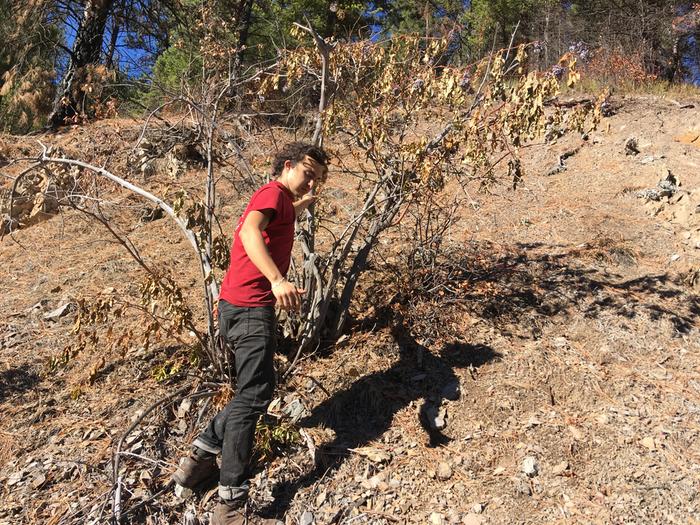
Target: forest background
{"points": [[65, 61]]}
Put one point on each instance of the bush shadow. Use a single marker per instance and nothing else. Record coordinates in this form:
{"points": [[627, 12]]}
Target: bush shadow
{"points": [[17, 380], [531, 283], [360, 414]]}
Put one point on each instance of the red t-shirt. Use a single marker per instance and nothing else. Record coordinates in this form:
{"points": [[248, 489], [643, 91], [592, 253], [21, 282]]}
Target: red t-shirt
{"points": [[244, 284]]}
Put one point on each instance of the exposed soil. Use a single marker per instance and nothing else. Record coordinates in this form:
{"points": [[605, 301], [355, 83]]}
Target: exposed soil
{"points": [[563, 357]]}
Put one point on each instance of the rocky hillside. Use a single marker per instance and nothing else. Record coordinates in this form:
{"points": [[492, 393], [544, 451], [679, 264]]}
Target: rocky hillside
{"points": [[552, 377]]}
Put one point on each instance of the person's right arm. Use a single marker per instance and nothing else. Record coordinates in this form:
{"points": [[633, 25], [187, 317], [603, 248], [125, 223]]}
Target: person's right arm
{"points": [[288, 296]]}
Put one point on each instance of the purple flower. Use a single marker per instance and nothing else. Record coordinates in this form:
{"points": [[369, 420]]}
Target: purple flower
{"points": [[558, 71]]}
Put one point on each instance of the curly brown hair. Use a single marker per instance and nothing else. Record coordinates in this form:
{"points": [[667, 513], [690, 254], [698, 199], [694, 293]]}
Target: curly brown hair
{"points": [[295, 152]]}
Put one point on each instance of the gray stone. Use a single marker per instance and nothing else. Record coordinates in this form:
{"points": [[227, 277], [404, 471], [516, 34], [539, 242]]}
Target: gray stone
{"points": [[652, 158], [669, 181], [560, 342], [434, 416], [557, 168], [295, 410], [666, 187], [307, 518], [182, 492], [15, 478], [444, 471], [58, 312], [38, 306], [38, 479], [530, 466], [184, 407], [152, 213], [631, 146], [439, 423]]}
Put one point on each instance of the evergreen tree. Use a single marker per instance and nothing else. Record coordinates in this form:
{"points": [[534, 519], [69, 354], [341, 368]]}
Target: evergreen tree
{"points": [[32, 41], [86, 52]]}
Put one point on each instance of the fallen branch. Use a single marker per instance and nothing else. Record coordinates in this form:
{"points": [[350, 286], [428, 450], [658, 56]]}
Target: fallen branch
{"points": [[145, 502], [586, 102], [310, 445]]}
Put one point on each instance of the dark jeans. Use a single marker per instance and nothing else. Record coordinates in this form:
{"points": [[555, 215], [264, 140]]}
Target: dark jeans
{"points": [[251, 334]]}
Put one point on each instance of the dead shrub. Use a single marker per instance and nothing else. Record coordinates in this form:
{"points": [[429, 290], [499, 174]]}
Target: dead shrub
{"points": [[607, 250], [617, 67]]}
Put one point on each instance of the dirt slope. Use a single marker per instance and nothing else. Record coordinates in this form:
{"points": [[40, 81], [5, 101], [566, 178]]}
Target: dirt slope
{"points": [[568, 381]]}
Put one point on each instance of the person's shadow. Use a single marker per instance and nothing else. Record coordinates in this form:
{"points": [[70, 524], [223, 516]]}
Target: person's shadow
{"points": [[361, 413]]}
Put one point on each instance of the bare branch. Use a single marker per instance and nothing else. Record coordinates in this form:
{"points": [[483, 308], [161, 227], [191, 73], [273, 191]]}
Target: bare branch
{"points": [[189, 235]]}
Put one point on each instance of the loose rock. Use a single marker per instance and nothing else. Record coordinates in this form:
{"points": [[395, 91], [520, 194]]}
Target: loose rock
{"points": [[295, 409], [14, 478], [436, 518], [58, 312], [444, 471], [307, 518], [666, 187], [530, 466], [649, 443], [631, 146], [182, 492], [38, 480], [560, 342]]}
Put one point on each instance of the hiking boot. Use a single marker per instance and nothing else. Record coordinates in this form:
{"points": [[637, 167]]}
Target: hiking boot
{"points": [[235, 514], [225, 514], [195, 469]]}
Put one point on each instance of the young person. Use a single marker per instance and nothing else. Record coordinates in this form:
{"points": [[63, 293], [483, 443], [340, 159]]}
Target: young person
{"points": [[254, 283]]}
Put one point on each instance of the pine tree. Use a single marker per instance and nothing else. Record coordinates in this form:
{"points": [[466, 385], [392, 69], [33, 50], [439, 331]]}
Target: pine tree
{"points": [[86, 52], [31, 44]]}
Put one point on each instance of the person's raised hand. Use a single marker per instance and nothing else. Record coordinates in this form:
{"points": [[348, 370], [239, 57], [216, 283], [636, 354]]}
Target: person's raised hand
{"points": [[304, 202]]}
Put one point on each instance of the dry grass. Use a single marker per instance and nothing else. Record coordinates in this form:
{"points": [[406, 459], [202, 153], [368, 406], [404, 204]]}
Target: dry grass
{"points": [[569, 333], [604, 249], [657, 88], [8, 447]]}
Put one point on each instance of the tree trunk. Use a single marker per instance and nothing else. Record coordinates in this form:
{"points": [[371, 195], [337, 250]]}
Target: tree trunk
{"points": [[675, 63], [546, 39], [114, 37], [86, 51], [244, 21]]}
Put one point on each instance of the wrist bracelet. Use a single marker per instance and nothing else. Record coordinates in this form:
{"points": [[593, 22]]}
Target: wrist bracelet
{"points": [[277, 283]]}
